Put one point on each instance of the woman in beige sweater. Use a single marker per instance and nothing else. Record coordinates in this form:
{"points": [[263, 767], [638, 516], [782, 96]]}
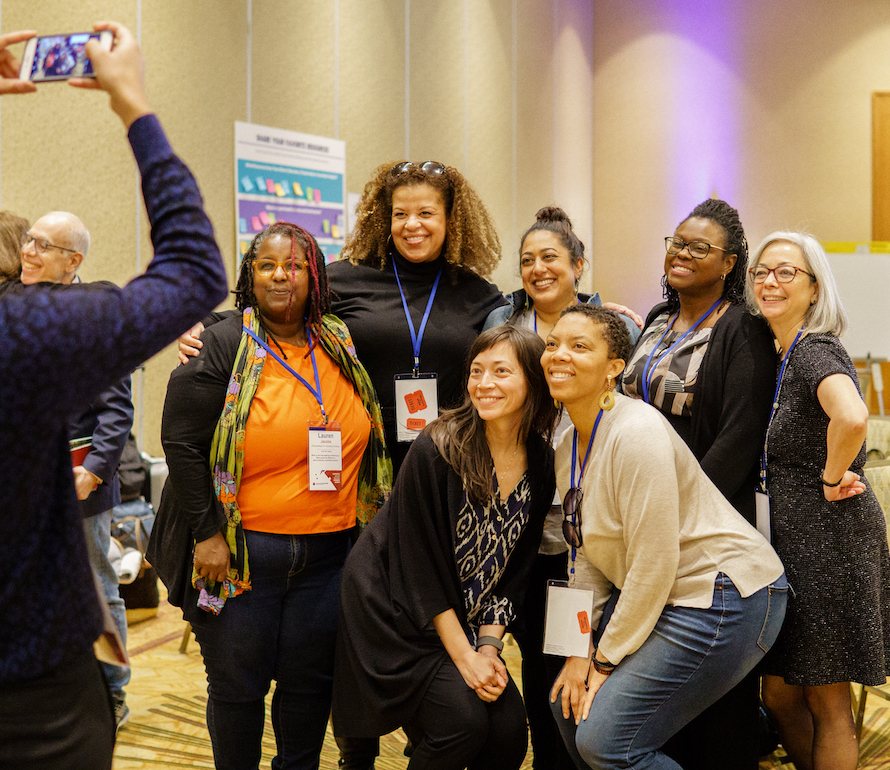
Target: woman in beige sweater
{"points": [[702, 593]]}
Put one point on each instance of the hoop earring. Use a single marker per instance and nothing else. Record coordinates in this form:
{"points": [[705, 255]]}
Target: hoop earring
{"points": [[722, 276], [607, 400]]}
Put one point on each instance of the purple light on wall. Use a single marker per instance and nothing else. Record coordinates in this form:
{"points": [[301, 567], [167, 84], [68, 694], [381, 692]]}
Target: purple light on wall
{"points": [[702, 76]]}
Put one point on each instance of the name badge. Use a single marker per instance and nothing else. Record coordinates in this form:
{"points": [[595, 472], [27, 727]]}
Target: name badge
{"points": [[417, 404], [761, 508], [325, 457], [567, 620]]}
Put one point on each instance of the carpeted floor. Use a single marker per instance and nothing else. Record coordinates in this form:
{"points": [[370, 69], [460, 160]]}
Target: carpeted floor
{"points": [[167, 697]]}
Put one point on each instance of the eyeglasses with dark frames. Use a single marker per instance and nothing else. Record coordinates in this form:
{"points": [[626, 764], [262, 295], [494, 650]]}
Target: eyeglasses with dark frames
{"points": [[41, 244], [783, 273], [571, 517], [696, 249], [428, 167]]}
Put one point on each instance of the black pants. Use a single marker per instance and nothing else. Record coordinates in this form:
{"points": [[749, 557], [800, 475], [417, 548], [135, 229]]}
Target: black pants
{"points": [[454, 729], [62, 720], [539, 671]]}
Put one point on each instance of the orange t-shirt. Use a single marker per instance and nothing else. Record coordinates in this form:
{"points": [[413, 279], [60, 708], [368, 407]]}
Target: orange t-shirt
{"points": [[274, 494]]}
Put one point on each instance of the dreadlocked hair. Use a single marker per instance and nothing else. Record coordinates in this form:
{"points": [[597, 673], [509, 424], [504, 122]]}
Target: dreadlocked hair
{"points": [[471, 240], [319, 300], [720, 213]]}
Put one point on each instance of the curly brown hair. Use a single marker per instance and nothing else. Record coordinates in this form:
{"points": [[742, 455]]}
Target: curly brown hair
{"points": [[471, 240]]}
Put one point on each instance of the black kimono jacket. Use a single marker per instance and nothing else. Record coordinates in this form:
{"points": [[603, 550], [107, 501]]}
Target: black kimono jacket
{"points": [[401, 573]]}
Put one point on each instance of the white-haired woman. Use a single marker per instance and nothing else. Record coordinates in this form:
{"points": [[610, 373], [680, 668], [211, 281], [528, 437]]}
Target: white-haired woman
{"points": [[827, 525]]}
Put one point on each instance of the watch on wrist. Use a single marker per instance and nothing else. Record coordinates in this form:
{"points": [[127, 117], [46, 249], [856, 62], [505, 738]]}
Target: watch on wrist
{"points": [[492, 640]]}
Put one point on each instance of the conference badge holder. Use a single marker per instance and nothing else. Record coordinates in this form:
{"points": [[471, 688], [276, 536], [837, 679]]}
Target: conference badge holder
{"points": [[567, 620], [417, 403], [325, 456]]}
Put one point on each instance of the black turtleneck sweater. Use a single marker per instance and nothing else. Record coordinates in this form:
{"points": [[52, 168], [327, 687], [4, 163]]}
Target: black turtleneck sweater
{"points": [[368, 301]]}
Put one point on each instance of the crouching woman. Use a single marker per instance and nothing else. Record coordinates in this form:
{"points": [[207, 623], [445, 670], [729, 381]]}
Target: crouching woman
{"points": [[701, 594]]}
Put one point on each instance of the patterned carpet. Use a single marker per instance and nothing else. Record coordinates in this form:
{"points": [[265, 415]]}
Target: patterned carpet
{"points": [[167, 698]]}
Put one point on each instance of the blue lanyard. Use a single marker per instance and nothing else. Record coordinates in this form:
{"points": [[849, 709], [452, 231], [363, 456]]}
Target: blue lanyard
{"points": [[773, 412], [649, 373], [583, 465], [417, 337], [316, 391]]}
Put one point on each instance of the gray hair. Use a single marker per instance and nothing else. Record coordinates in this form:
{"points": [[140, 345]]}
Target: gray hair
{"points": [[827, 314]]}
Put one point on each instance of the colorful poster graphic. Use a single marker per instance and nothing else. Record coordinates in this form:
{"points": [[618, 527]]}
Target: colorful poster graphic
{"points": [[285, 175]]}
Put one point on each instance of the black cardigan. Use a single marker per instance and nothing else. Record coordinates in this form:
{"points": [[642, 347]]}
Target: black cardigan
{"points": [[731, 403], [400, 575], [189, 511]]}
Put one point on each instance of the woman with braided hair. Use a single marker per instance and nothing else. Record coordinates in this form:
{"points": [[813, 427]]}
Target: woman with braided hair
{"points": [[274, 440], [709, 366]]}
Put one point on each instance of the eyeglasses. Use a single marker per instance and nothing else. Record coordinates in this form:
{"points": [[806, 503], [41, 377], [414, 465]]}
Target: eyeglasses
{"points": [[41, 244], [696, 249], [783, 273], [571, 512], [267, 267], [430, 167]]}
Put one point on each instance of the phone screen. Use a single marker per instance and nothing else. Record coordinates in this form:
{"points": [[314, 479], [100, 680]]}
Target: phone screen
{"points": [[58, 57]]}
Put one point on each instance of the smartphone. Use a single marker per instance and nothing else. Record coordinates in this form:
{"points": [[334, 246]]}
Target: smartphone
{"points": [[59, 57]]}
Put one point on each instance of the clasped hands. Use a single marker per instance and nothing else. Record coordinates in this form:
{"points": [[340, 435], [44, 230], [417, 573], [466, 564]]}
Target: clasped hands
{"points": [[484, 672]]}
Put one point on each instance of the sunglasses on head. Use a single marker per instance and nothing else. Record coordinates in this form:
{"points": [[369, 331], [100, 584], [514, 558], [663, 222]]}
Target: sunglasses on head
{"points": [[429, 167]]}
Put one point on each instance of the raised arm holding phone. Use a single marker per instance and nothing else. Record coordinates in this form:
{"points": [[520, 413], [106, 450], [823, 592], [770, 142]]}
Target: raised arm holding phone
{"points": [[54, 706]]}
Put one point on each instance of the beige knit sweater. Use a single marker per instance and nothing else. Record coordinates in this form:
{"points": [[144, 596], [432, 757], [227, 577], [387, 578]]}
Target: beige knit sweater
{"points": [[654, 526]]}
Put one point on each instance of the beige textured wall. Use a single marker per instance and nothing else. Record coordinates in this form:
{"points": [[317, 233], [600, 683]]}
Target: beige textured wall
{"points": [[627, 114], [480, 72], [768, 104]]}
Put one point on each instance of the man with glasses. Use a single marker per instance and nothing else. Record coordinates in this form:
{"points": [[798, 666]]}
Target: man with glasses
{"points": [[52, 251], [54, 248]]}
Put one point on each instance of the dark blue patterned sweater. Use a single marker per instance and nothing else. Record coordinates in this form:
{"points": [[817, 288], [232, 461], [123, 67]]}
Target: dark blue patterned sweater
{"points": [[58, 350]]}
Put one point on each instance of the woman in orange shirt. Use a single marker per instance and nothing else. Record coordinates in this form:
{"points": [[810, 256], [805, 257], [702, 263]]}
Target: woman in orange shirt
{"points": [[274, 440]]}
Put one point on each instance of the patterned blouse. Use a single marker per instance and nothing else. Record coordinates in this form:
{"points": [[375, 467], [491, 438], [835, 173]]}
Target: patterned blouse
{"points": [[673, 381], [484, 539]]}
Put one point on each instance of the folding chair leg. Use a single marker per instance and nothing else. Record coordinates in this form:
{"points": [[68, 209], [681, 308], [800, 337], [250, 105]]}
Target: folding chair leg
{"points": [[183, 645], [860, 710]]}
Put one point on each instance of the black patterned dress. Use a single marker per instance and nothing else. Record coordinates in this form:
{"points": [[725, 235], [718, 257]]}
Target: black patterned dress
{"points": [[837, 626]]}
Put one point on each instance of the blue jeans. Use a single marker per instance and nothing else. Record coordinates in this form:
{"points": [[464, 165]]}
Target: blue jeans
{"points": [[284, 629], [97, 530], [691, 658]]}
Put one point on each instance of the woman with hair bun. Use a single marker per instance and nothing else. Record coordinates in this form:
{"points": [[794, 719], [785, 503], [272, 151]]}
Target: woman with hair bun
{"points": [[551, 260], [709, 366], [827, 524]]}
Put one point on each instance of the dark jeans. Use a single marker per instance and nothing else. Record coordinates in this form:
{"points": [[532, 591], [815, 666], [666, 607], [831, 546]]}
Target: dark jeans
{"points": [[454, 729], [62, 720], [539, 671], [284, 629]]}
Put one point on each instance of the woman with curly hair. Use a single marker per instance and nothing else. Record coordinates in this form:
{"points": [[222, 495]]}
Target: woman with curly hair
{"points": [[274, 440], [411, 286], [709, 366]]}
